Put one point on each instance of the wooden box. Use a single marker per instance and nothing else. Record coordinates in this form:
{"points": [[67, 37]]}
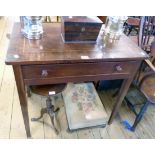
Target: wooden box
{"points": [[83, 106], [80, 28]]}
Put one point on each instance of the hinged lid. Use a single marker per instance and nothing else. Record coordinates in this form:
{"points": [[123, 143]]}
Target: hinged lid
{"points": [[81, 19]]}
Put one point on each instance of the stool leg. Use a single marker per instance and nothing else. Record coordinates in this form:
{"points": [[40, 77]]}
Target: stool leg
{"points": [[43, 111], [56, 110], [140, 115], [51, 112], [52, 116]]}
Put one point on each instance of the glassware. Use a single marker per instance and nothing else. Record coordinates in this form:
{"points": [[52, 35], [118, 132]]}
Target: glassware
{"points": [[31, 27], [114, 26]]}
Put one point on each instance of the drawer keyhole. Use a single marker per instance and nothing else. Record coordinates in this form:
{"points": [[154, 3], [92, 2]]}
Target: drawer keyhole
{"points": [[83, 29], [118, 68], [44, 73]]}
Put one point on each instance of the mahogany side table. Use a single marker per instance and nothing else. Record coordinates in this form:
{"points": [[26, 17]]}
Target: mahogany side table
{"points": [[50, 61]]}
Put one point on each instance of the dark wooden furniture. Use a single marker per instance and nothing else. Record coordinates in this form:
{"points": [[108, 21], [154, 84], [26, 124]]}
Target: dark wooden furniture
{"points": [[80, 28], [145, 39], [152, 48], [145, 35], [102, 18], [145, 88], [145, 80], [132, 23], [50, 61]]}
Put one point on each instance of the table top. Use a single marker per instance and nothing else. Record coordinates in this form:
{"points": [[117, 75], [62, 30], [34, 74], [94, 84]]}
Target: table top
{"points": [[51, 49]]}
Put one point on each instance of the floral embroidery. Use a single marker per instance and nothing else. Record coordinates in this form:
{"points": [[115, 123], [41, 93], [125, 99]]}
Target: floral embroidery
{"points": [[84, 98]]}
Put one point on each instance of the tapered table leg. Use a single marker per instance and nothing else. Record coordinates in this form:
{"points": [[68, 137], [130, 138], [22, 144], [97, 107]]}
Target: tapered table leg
{"points": [[22, 97], [122, 93]]}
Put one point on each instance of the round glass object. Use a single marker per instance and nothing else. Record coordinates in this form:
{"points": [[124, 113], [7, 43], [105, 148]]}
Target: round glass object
{"points": [[31, 27], [114, 26]]}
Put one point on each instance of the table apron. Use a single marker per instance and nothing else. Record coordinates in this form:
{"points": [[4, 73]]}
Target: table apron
{"points": [[82, 78]]}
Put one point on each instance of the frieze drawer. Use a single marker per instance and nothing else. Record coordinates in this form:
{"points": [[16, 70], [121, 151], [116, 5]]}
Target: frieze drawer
{"points": [[76, 69]]}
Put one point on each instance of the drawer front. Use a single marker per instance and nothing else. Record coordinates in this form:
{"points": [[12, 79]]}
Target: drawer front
{"points": [[76, 70], [82, 27], [85, 36]]}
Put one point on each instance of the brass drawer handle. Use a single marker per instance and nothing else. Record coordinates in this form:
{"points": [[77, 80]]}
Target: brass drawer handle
{"points": [[44, 73], [118, 68]]}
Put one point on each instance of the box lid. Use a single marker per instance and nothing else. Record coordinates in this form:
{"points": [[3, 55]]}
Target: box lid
{"points": [[81, 19]]}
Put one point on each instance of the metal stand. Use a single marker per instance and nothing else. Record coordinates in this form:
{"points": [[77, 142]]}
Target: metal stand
{"points": [[50, 110]]}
